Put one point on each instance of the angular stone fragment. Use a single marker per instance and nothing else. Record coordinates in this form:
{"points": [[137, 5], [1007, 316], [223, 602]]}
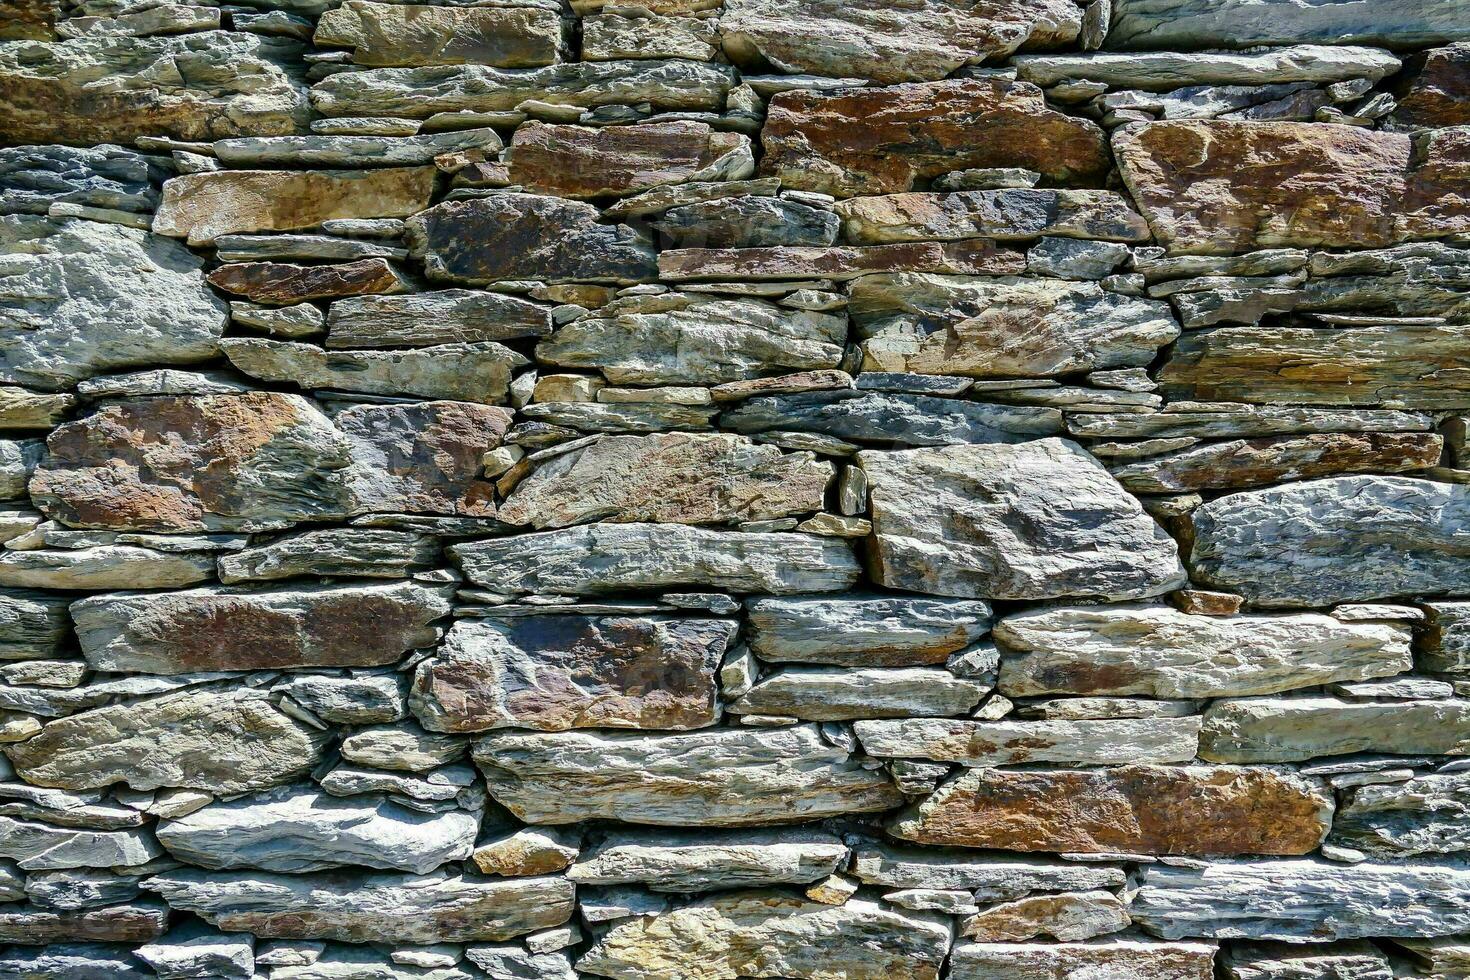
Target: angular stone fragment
{"points": [[1001, 743], [1444, 645], [36, 846], [1004, 215], [974, 257], [557, 672], [611, 558], [685, 338], [220, 740], [1002, 327], [353, 552], [134, 922], [863, 630], [32, 178], [391, 34], [284, 284], [771, 934], [676, 478], [1303, 900], [1315, 961], [233, 628], [1293, 729], [608, 37], [884, 140], [405, 747], [1161, 652], [870, 39], [349, 907], [1133, 808], [1174, 24], [1069, 917], [1219, 187], [821, 694], [747, 222], [446, 316], [114, 89], [1106, 958], [1425, 815], [1437, 91], [77, 961], [1254, 462], [1174, 69], [1034, 521], [584, 161], [193, 950], [425, 457], [527, 236], [991, 877], [422, 92], [68, 313], [723, 777], [34, 624], [466, 372], [364, 699], [104, 567], [299, 828], [528, 851], [204, 206], [1348, 539], [320, 150], [901, 419], [709, 861]]}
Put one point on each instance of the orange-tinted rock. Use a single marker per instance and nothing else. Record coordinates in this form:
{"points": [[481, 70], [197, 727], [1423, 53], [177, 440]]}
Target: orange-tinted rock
{"points": [[1437, 92], [283, 284], [212, 463], [586, 161], [1214, 810], [974, 257], [884, 140]]}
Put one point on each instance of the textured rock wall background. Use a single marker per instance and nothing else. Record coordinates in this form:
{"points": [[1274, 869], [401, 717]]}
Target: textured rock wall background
{"points": [[827, 489]]}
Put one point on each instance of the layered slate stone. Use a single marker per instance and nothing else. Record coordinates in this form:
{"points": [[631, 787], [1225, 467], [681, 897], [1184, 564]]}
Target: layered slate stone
{"points": [[390, 35], [1038, 520], [747, 221], [972, 257], [1023, 961], [527, 236], [1144, 24], [1067, 917], [1271, 70], [688, 338], [1158, 651], [1347, 539], [445, 316], [1003, 743], [600, 559], [34, 624], [202, 207], [893, 418], [868, 39], [988, 877], [300, 828], [425, 457], [585, 161], [772, 934], [463, 372], [69, 315], [233, 628], [104, 567], [351, 552], [222, 740], [192, 87], [709, 861], [1006, 215], [824, 694], [1303, 900], [1425, 815], [1444, 645], [677, 477], [1255, 730], [1002, 327], [37, 846], [1135, 808], [32, 178], [417, 909], [1220, 187], [350, 150], [131, 922], [1273, 960], [884, 140], [557, 672], [725, 777], [252, 461], [287, 283], [863, 630]]}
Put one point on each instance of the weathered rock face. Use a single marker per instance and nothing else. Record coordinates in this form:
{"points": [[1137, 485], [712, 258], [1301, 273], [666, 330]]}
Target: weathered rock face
{"points": [[1009, 215], [1147, 809], [211, 463], [667, 862], [1425, 815], [580, 161], [1112, 957], [446, 316], [727, 777], [883, 140], [1000, 743], [863, 631], [191, 87], [1161, 652], [987, 524], [463, 372], [249, 629], [1437, 90], [553, 673], [1292, 729], [675, 478], [67, 315], [1238, 23], [390, 34], [218, 740], [917, 42]]}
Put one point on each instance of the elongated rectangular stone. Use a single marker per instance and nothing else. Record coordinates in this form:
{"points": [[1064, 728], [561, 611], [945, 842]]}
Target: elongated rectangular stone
{"points": [[392, 34], [1004, 215], [825, 694], [1102, 958], [445, 316], [989, 876], [973, 257], [132, 922], [709, 860], [462, 372], [1294, 729], [863, 630], [588, 162], [1001, 743], [905, 419], [1173, 24], [1428, 814]]}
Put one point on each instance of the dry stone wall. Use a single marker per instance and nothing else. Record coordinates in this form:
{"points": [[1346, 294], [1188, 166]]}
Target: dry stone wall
{"points": [[817, 489]]}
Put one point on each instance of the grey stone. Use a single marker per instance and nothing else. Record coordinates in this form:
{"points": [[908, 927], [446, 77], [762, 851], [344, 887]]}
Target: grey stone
{"points": [[991, 877], [340, 962], [1294, 729], [82, 888], [38, 846], [747, 222], [259, 152], [826, 694], [1445, 644], [1424, 815], [191, 950], [519, 963], [711, 861], [1331, 62], [75, 961], [1225, 420], [446, 316], [32, 178], [291, 322], [355, 552], [905, 419], [1349, 960], [1173, 24], [1003, 215], [34, 623], [478, 372], [104, 567], [1070, 258], [401, 747], [1069, 917], [1101, 958], [1000, 743], [870, 630], [364, 698]]}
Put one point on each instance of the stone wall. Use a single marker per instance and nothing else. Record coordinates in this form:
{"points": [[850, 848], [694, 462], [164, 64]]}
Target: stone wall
{"points": [[826, 489]]}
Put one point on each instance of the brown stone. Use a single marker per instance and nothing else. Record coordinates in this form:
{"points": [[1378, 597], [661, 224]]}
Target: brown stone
{"points": [[1202, 602], [284, 284], [389, 35], [1437, 90], [883, 140], [586, 161], [444, 316], [135, 922], [556, 672], [1215, 810], [976, 257], [1257, 462], [423, 458], [204, 206], [1221, 187], [253, 461]]}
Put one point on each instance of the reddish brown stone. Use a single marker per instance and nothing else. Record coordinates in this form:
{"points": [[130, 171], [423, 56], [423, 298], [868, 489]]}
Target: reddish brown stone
{"points": [[283, 284], [585, 161], [975, 257], [883, 140], [1214, 810], [1202, 602], [1437, 92]]}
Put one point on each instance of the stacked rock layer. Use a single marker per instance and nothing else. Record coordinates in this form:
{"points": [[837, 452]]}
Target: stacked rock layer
{"points": [[819, 489]]}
